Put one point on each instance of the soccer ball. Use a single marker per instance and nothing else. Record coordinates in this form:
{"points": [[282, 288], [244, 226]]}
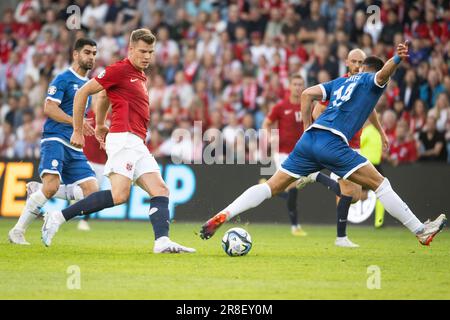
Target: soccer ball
{"points": [[236, 242]]}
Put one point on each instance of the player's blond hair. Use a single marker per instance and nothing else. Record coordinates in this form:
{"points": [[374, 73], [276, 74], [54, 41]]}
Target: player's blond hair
{"points": [[142, 34]]}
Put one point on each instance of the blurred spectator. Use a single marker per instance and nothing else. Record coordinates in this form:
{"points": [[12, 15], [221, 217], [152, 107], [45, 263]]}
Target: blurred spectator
{"points": [[432, 143], [27, 145], [392, 27], [430, 90], [181, 88], [409, 90], [441, 112], [21, 14], [389, 122], [129, 16], [94, 14], [107, 45], [403, 149], [418, 117], [273, 28], [165, 47], [194, 7], [233, 21], [7, 140], [329, 10], [312, 24]]}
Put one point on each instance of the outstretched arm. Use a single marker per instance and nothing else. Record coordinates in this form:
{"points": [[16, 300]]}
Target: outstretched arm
{"points": [[391, 65], [308, 96]]}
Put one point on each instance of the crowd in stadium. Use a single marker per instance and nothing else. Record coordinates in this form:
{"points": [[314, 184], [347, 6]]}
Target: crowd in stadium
{"points": [[226, 63]]}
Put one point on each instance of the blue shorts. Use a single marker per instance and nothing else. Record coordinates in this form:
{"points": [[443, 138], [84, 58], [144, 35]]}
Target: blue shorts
{"points": [[72, 166], [318, 149]]}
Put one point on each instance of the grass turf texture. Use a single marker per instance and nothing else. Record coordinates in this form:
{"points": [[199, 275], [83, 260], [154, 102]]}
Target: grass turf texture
{"points": [[116, 262]]}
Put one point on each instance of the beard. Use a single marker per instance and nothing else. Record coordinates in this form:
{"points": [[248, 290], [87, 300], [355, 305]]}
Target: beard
{"points": [[86, 65]]}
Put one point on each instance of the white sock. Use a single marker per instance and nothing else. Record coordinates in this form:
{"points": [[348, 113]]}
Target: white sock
{"points": [[397, 208], [314, 175], [59, 217], [68, 192], [252, 197], [61, 193], [74, 192], [31, 210]]}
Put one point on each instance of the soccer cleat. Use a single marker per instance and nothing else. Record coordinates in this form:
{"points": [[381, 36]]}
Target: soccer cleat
{"points": [[50, 227], [17, 236], [303, 181], [32, 187], [431, 229], [345, 243], [298, 231], [211, 226], [83, 225], [165, 245]]}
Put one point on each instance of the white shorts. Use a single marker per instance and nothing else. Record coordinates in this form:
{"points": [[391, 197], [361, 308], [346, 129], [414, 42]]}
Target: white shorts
{"points": [[128, 156], [279, 158], [99, 170]]}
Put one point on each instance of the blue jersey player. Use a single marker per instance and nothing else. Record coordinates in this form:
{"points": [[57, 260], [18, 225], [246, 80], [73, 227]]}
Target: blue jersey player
{"points": [[325, 145], [62, 166]]}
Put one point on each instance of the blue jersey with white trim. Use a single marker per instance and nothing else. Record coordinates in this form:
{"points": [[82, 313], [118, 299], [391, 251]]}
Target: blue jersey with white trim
{"points": [[352, 100], [62, 90]]}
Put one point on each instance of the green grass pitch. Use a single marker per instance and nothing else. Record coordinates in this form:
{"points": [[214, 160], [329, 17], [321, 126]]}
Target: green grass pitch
{"points": [[115, 262]]}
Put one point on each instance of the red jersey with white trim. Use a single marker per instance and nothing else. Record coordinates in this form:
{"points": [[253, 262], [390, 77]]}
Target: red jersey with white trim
{"points": [[126, 88], [92, 147], [355, 142], [290, 124]]}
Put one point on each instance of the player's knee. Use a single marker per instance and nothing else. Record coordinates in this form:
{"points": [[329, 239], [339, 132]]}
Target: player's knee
{"points": [[276, 189], [49, 189], [161, 191], [356, 194], [120, 196], [376, 181], [89, 187]]}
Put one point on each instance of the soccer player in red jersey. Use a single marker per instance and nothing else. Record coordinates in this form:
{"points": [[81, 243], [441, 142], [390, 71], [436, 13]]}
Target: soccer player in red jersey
{"points": [[349, 191], [128, 158], [286, 114]]}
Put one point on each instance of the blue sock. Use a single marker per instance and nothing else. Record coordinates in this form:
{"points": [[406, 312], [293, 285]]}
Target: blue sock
{"points": [[329, 183], [342, 213], [292, 206], [94, 202], [160, 217]]}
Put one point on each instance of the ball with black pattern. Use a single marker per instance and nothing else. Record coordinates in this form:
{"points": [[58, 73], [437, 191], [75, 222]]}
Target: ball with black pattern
{"points": [[236, 242]]}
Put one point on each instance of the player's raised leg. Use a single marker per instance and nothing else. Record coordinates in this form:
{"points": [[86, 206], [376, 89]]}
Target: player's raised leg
{"points": [[119, 193], [251, 198], [33, 205], [155, 186], [368, 176]]}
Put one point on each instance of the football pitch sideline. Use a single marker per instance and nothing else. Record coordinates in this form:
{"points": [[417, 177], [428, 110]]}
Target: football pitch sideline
{"points": [[115, 261]]}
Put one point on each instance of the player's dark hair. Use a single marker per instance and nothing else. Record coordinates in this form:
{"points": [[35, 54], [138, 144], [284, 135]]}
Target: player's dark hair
{"points": [[142, 34], [80, 43], [373, 63]]}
